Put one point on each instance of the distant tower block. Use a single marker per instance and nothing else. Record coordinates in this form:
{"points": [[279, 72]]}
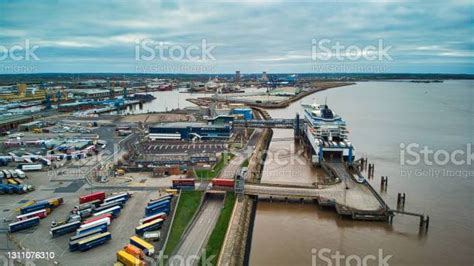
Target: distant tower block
{"points": [[237, 76], [264, 77]]}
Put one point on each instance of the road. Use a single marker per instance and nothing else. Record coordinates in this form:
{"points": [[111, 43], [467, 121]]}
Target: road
{"points": [[199, 233]]}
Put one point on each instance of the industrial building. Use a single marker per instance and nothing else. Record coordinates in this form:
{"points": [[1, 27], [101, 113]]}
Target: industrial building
{"points": [[11, 122], [186, 130]]}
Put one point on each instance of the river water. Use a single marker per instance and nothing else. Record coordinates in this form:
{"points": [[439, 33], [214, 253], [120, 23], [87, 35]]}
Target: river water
{"points": [[384, 119]]}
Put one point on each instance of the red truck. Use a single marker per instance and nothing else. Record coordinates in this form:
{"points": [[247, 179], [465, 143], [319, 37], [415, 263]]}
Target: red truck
{"points": [[183, 183], [222, 182], [91, 197]]}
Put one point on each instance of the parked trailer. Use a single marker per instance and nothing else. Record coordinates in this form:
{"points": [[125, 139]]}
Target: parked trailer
{"points": [[184, 183], [147, 248], [30, 167], [91, 197], [88, 205], [152, 235], [10, 189], [64, 229], [125, 196], [93, 219], [115, 211], [222, 182], [156, 208], [44, 204], [74, 241], [151, 226], [94, 241], [40, 214], [24, 224], [102, 227], [108, 206], [20, 173], [134, 251], [148, 219], [128, 259], [151, 202], [104, 220]]}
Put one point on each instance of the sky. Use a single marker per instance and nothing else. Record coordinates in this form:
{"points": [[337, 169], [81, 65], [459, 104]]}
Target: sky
{"points": [[225, 36]]}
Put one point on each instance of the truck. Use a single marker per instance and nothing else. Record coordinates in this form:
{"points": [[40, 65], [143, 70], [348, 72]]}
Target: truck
{"points": [[107, 206], [91, 197], [20, 173], [152, 236], [23, 224], [30, 167], [94, 241], [44, 204], [64, 229], [146, 247], [40, 214]]}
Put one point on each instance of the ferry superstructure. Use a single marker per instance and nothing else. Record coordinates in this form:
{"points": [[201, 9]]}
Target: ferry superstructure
{"points": [[327, 134]]}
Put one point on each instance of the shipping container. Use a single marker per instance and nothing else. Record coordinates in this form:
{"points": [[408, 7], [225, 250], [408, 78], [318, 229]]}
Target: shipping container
{"points": [[64, 229], [91, 197], [147, 248], [152, 235], [24, 224], [128, 260], [222, 182], [151, 226], [94, 241]]}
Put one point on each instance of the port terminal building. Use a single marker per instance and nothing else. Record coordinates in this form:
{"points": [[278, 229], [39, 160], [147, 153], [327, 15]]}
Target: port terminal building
{"points": [[189, 131]]}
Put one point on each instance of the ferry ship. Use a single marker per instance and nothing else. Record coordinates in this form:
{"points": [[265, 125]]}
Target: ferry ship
{"points": [[327, 134]]}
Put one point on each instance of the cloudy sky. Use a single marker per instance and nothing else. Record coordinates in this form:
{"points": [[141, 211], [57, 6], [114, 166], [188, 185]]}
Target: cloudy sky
{"points": [[273, 36]]}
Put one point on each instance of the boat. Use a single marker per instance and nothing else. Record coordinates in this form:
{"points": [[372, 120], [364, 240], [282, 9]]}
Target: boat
{"points": [[327, 134]]}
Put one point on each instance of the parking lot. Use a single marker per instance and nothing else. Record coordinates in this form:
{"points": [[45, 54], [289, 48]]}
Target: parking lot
{"points": [[170, 148]]}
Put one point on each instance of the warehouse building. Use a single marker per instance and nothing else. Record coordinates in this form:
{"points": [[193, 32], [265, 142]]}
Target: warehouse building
{"points": [[186, 131]]}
